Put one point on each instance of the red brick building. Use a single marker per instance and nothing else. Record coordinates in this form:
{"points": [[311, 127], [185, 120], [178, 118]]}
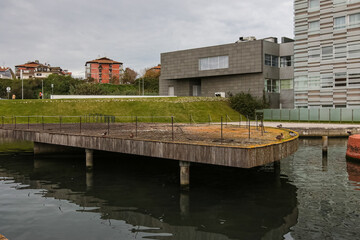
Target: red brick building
{"points": [[104, 70]]}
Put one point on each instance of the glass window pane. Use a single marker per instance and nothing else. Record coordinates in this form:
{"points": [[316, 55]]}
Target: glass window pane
{"points": [[354, 19], [339, 22]]}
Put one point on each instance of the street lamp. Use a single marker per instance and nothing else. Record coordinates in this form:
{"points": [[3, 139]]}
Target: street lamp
{"points": [[42, 88], [22, 84], [8, 89]]}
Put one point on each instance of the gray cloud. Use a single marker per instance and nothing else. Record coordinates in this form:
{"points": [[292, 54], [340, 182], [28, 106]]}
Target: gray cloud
{"points": [[68, 33]]}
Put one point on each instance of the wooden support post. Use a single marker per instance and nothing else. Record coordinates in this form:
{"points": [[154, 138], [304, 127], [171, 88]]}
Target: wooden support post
{"points": [[28, 122], [89, 159], [15, 122], [184, 175], [42, 121], [324, 145]]}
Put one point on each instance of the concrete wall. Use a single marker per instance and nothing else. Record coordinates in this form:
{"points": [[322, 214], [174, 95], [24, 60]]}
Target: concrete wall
{"points": [[252, 83], [244, 57], [287, 98]]}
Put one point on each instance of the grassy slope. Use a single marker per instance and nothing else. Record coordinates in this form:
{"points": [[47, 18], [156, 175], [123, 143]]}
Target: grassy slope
{"points": [[181, 108]]}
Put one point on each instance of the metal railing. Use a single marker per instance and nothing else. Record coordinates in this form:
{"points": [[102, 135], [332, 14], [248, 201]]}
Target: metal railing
{"points": [[165, 128]]}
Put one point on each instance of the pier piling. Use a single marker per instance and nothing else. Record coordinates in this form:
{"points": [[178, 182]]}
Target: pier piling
{"points": [[324, 145], [89, 159], [184, 175]]}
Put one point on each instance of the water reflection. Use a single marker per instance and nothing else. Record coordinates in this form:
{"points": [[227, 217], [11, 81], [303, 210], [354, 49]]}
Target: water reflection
{"points": [[223, 203], [328, 206], [353, 169]]}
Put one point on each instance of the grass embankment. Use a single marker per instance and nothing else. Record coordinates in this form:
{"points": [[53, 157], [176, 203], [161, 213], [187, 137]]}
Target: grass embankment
{"points": [[201, 109]]}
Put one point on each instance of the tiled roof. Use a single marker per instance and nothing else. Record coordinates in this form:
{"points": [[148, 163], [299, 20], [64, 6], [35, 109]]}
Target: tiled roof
{"points": [[3, 69], [29, 65], [103, 60]]}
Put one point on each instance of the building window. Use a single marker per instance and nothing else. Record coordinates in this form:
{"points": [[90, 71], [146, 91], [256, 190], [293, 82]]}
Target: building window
{"points": [[340, 51], [271, 60], [286, 84], [354, 20], [339, 22], [354, 79], [286, 61], [301, 83], [354, 50], [326, 81], [272, 85], [314, 26], [327, 53], [314, 54], [267, 60], [340, 1], [211, 63], [340, 79], [314, 82], [314, 5]]}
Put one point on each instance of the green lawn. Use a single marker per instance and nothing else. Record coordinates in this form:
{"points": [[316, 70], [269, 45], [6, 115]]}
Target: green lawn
{"points": [[199, 108]]}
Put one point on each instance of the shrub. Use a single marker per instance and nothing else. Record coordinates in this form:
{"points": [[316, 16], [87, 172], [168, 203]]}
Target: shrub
{"points": [[246, 104]]}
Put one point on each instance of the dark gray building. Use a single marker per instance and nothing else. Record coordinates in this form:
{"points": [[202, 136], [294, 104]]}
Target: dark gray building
{"points": [[249, 65]]}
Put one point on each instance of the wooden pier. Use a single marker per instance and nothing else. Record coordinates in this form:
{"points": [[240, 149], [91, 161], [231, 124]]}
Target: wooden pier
{"points": [[185, 152]]}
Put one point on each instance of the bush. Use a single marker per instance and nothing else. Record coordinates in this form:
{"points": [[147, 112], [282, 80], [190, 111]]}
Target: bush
{"points": [[246, 104]]}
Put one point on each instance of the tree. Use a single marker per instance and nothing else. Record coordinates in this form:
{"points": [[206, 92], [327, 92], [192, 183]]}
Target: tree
{"points": [[115, 80], [129, 76]]}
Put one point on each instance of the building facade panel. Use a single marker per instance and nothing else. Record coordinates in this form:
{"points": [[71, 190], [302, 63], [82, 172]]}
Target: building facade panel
{"points": [[327, 53]]}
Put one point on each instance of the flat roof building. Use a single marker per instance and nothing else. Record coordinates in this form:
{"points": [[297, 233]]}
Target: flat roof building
{"points": [[249, 65], [327, 54]]}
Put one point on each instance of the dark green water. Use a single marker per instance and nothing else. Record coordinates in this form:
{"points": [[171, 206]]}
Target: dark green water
{"points": [[127, 197]]}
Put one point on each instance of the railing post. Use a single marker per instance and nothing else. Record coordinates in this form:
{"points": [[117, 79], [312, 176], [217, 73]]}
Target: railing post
{"points": [[352, 115], [240, 119], [249, 126], [80, 124], [60, 121], [209, 119], [108, 126], [172, 127], [256, 121], [221, 129], [42, 121], [136, 125], [2, 121], [15, 123], [226, 116], [28, 122]]}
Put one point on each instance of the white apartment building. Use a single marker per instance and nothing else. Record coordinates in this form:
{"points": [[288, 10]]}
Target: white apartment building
{"points": [[327, 54]]}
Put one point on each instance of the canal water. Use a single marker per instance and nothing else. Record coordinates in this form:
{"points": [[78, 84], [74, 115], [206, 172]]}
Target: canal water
{"points": [[127, 197]]}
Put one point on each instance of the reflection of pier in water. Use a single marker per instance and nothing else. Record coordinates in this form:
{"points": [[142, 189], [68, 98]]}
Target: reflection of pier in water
{"points": [[264, 208]]}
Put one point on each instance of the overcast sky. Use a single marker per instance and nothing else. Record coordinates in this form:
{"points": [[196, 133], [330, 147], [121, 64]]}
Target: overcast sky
{"points": [[67, 33]]}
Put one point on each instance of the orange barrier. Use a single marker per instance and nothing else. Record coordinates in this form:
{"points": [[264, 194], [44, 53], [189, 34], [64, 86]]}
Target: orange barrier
{"points": [[353, 147], [2, 237]]}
